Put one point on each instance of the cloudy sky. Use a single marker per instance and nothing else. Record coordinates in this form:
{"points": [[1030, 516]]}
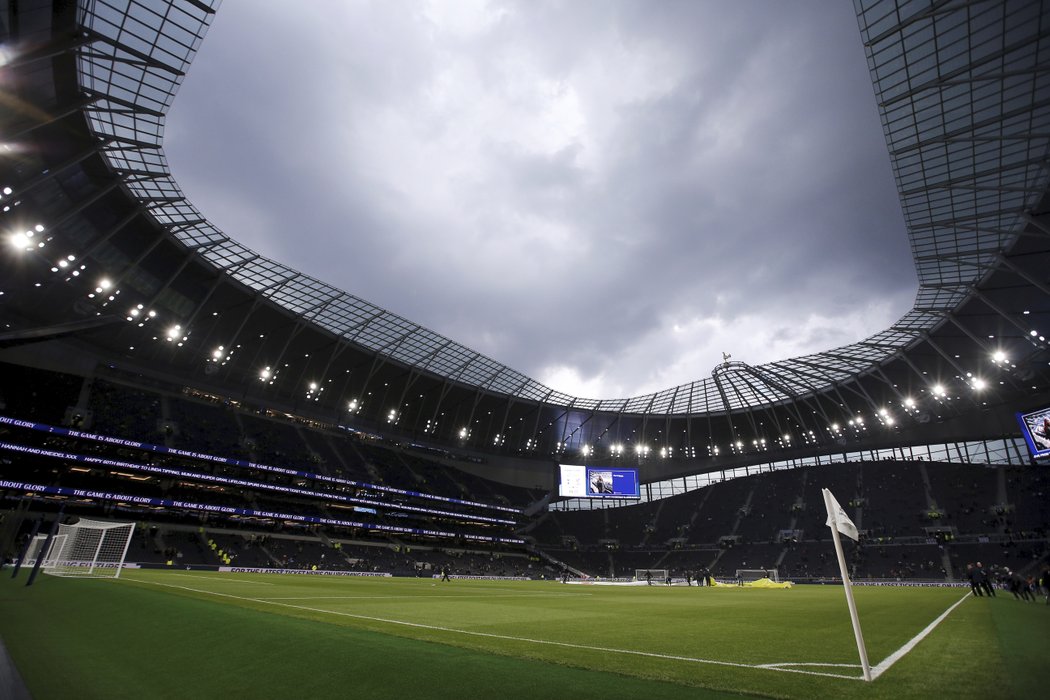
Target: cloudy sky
{"points": [[603, 195]]}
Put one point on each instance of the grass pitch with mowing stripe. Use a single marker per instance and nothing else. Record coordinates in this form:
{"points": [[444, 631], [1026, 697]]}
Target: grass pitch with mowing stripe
{"points": [[193, 634]]}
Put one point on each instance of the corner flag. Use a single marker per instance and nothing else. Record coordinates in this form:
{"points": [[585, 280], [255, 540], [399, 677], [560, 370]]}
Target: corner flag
{"points": [[839, 520]]}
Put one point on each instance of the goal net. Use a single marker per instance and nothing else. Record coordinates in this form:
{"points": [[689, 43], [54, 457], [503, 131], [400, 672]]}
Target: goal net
{"points": [[749, 575], [654, 575], [93, 548]]}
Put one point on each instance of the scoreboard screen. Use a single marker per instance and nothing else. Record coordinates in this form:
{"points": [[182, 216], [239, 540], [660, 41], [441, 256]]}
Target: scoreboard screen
{"points": [[579, 481], [1035, 427]]}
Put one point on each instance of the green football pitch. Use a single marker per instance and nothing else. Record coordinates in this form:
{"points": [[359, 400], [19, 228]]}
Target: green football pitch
{"points": [[188, 634]]}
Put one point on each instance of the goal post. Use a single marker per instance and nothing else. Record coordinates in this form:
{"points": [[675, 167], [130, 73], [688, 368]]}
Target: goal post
{"points": [[89, 548], [749, 575]]}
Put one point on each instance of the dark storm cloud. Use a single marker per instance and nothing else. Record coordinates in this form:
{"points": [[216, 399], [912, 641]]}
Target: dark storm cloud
{"points": [[602, 195]]}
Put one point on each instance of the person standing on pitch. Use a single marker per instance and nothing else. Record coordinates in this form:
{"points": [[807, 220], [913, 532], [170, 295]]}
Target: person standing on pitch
{"points": [[971, 576], [982, 578]]}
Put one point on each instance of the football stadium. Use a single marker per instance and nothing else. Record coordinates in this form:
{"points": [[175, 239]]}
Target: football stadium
{"points": [[224, 477]]}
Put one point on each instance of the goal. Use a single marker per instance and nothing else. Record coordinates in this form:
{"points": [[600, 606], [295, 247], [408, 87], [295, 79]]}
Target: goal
{"points": [[94, 548], [656, 575], [749, 575]]}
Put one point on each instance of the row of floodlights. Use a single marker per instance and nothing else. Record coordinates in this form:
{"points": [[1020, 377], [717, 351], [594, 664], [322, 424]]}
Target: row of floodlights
{"points": [[857, 423], [176, 335], [268, 374]]}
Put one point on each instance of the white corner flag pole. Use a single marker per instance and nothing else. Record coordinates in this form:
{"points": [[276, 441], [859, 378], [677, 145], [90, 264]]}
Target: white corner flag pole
{"points": [[833, 521]]}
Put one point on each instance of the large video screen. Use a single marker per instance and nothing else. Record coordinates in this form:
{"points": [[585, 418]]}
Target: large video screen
{"points": [[579, 481], [1035, 427]]}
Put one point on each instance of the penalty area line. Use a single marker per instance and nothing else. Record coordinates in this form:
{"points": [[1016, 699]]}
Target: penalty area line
{"points": [[507, 637]]}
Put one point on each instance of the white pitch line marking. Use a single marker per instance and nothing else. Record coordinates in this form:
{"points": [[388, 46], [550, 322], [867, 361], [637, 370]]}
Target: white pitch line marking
{"points": [[490, 635], [896, 656], [806, 663], [220, 580], [428, 597]]}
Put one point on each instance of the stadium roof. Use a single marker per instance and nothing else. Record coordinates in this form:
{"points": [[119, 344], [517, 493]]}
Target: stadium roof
{"points": [[964, 95]]}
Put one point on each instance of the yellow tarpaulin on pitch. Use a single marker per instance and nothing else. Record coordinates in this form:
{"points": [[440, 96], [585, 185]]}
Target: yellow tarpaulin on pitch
{"points": [[760, 583]]}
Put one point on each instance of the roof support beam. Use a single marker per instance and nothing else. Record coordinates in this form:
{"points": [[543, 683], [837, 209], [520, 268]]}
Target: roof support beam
{"points": [[144, 57]]}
